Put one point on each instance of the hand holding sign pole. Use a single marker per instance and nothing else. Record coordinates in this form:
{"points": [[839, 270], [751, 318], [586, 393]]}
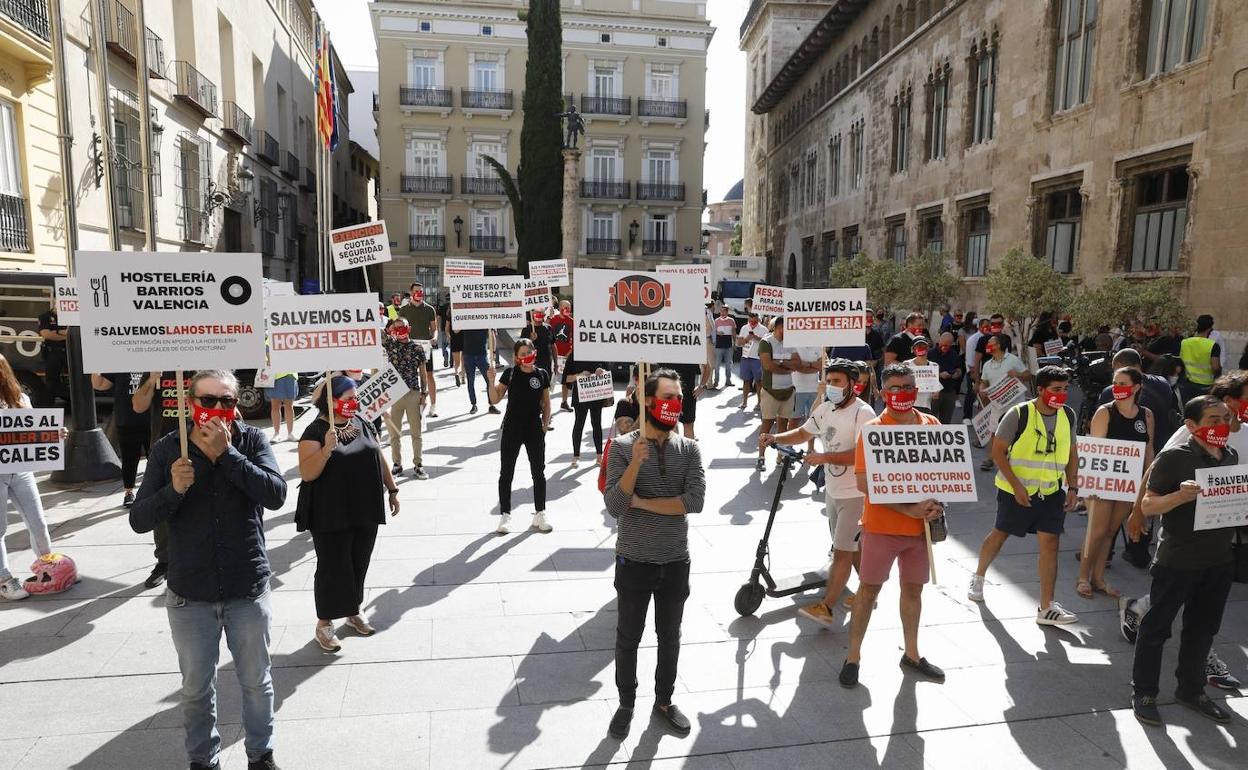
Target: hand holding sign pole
{"points": [[181, 411]]}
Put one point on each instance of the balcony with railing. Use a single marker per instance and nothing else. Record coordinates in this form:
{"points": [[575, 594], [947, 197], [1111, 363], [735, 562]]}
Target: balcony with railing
{"points": [[669, 109], [31, 14], [420, 184], [436, 98], [490, 243], [605, 190], [309, 179], [602, 247], [426, 243], [14, 232], [658, 248], [481, 185], [607, 105], [194, 89], [267, 148], [292, 166], [661, 191], [477, 99], [120, 37], [235, 121]]}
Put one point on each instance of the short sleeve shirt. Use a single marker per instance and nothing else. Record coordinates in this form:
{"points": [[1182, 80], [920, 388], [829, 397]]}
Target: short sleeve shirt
{"points": [[838, 431], [752, 336], [883, 519], [420, 317], [1179, 546], [993, 372], [524, 395]]}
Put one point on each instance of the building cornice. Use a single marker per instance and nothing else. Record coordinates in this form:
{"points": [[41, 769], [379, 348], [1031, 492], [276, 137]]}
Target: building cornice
{"points": [[620, 23]]}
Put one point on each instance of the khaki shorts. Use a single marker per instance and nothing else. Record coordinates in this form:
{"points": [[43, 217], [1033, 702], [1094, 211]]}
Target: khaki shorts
{"points": [[773, 408], [843, 517]]}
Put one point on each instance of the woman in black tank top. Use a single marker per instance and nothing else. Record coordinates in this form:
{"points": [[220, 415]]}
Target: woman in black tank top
{"points": [[1124, 420]]}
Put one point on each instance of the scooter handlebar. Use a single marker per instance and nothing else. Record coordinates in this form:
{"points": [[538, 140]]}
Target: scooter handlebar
{"points": [[795, 455]]}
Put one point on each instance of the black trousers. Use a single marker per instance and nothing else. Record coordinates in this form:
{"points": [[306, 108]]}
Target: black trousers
{"points": [[946, 402], [971, 400], [133, 442], [53, 367], [342, 559], [635, 583], [578, 426], [1201, 593], [533, 438]]}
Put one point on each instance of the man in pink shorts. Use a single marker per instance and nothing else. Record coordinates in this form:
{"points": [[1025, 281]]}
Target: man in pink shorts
{"points": [[892, 533]]}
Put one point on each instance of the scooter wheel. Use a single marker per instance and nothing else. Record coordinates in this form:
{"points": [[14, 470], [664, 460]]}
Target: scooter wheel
{"points": [[749, 598]]}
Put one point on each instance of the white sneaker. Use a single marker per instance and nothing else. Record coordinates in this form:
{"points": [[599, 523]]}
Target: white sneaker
{"points": [[976, 592], [504, 524], [1055, 615], [11, 590], [326, 637], [540, 523]]}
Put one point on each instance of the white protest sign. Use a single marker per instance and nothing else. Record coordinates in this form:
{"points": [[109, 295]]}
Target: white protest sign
{"points": [[553, 271], [454, 269], [926, 377], [1053, 347], [380, 392], [30, 440], [319, 332], [264, 378], [536, 294], [768, 300], [1223, 500], [65, 301], [984, 423], [823, 317], [595, 387], [702, 271], [488, 303], [912, 463], [146, 312], [626, 316], [1110, 469], [278, 289], [1007, 393], [359, 245]]}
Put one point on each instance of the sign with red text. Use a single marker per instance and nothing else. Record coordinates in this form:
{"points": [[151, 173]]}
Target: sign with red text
{"points": [[30, 440], [912, 463], [1110, 469], [65, 301], [823, 317], [146, 311], [454, 269], [632, 316], [701, 271], [595, 387], [319, 332], [380, 392], [536, 294], [984, 423], [1223, 500], [488, 303], [1007, 393], [926, 377], [553, 271], [1053, 347], [359, 245], [768, 300]]}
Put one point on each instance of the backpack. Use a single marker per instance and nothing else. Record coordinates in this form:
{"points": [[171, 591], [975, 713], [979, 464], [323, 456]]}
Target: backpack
{"points": [[1023, 412]]}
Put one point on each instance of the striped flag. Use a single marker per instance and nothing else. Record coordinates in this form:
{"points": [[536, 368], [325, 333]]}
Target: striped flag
{"points": [[326, 93]]}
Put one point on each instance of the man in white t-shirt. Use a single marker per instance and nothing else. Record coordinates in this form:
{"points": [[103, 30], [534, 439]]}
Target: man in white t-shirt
{"points": [[836, 420], [805, 381], [751, 369]]}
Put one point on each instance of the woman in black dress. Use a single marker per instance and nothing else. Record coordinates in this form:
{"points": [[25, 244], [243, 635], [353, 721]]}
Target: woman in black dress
{"points": [[573, 370], [341, 502], [526, 386]]}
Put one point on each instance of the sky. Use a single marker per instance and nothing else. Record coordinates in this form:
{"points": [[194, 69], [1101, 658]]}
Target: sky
{"points": [[352, 36]]}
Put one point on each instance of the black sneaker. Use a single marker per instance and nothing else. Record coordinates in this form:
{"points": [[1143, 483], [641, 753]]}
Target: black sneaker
{"points": [[396, 469], [1128, 619], [202, 766], [1206, 708], [674, 718], [263, 763], [128, 500], [473, 410], [620, 723], [1145, 708], [494, 410], [849, 675], [157, 576], [923, 667], [565, 407], [1218, 675]]}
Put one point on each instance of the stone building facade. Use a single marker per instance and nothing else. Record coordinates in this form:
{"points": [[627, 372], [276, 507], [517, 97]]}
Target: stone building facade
{"points": [[1106, 139]]}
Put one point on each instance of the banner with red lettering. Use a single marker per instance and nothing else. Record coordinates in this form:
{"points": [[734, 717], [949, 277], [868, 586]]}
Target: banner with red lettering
{"points": [[821, 317], [1223, 500], [913, 463], [768, 300], [1110, 469], [30, 440], [319, 332], [623, 315], [359, 245]]}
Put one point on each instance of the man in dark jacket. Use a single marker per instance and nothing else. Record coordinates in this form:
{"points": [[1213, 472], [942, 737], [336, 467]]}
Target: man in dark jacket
{"points": [[212, 501]]}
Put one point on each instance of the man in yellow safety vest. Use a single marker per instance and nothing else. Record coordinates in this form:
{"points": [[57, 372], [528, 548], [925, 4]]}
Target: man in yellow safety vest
{"points": [[1202, 360]]}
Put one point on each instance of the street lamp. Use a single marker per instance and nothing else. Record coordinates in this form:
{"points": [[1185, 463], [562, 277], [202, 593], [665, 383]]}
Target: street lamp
{"points": [[458, 223]]}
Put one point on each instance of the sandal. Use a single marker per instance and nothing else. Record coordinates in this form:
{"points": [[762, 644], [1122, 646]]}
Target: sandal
{"points": [[1083, 588], [1108, 590]]}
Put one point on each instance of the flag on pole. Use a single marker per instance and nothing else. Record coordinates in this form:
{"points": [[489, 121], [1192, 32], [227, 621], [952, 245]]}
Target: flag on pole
{"points": [[326, 94]]}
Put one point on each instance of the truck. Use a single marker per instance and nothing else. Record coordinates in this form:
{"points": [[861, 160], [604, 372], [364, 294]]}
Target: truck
{"points": [[734, 279]]}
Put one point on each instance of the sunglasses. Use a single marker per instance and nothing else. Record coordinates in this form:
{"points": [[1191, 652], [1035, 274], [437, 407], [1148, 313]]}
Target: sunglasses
{"points": [[1049, 446], [211, 402]]}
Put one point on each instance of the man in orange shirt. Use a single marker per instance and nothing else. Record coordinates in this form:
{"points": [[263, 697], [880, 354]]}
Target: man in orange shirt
{"points": [[892, 533]]}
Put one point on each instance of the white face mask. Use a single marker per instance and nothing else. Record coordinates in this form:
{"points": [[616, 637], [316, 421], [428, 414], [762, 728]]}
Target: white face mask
{"points": [[834, 394]]}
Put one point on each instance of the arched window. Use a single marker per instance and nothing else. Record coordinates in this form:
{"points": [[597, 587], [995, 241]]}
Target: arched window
{"points": [[899, 32], [886, 36], [875, 45], [910, 25]]}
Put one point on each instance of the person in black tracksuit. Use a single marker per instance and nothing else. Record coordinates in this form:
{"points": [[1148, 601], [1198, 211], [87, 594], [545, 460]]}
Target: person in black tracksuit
{"points": [[526, 387]]}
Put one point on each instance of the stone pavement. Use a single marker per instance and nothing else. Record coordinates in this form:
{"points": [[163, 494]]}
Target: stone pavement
{"points": [[496, 652]]}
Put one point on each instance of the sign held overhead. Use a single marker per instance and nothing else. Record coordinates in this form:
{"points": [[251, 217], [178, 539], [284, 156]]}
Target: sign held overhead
{"points": [[318, 332], [65, 301], [823, 317], [453, 269], [359, 245], [627, 316], [488, 303], [553, 271], [768, 300]]}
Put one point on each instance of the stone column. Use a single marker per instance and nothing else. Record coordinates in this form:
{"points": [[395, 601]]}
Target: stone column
{"points": [[571, 209]]}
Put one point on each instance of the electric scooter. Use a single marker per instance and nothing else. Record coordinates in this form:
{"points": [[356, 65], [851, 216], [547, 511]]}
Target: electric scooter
{"points": [[750, 595]]}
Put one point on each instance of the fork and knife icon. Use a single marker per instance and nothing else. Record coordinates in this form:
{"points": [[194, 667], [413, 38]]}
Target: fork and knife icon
{"points": [[98, 286]]}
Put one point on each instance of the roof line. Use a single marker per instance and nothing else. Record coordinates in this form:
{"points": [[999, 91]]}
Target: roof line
{"points": [[825, 32]]}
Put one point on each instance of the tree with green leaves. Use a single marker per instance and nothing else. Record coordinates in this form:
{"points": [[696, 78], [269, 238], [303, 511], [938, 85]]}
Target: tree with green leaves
{"points": [[536, 190], [1119, 302], [882, 278], [1021, 288], [926, 282]]}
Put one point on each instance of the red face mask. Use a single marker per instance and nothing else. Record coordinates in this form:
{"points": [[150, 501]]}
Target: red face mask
{"points": [[1052, 399], [202, 415], [900, 402], [528, 360], [859, 387], [990, 349], [666, 411], [996, 328], [1243, 410], [347, 407], [1214, 435], [401, 333], [1123, 392], [418, 296], [920, 352], [538, 318], [915, 331]]}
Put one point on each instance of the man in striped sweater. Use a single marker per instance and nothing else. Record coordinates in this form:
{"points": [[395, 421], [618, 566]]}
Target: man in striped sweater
{"points": [[652, 483]]}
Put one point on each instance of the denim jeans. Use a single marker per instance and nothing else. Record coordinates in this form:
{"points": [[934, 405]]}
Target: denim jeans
{"points": [[472, 365], [635, 583], [21, 489], [1201, 594], [196, 629], [723, 359]]}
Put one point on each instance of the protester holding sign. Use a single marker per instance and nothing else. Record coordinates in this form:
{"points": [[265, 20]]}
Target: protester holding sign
{"points": [[949, 365], [563, 329], [574, 370], [423, 322], [1035, 450], [1124, 420], [1191, 569], [158, 397], [751, 369], [776, 396], [526, 387], [408, 358], [997, 365], [22, 490], [927, 385]]}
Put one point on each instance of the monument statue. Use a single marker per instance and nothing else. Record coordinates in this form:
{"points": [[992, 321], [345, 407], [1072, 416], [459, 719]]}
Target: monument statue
{"points": [[574, 126]]}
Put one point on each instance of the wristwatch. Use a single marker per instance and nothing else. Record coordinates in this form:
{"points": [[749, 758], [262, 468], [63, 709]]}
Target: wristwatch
{"points": [[394, 491]]}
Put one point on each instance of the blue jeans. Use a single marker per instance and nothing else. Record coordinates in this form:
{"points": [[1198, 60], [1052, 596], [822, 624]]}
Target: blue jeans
{"points": [[473, 364], [22, 490], [196, 629], [723, 358]]}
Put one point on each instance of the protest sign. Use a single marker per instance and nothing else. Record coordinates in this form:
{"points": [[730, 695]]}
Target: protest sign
{"points": [[317, 332], [701, 271], [454, 269], [1223, 500], [488, 303], [768, 300], [1110, 469], [264, 378], [912, 463], [1007, 393], [627, 316], [536, 294], [595, 387], [359, 245], [278, 289], [1053, 347], [553, 271], [984, 424], [65, 301], [926, 377], [822, 317], [145, 311], [380, 392], [30, 440]]}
